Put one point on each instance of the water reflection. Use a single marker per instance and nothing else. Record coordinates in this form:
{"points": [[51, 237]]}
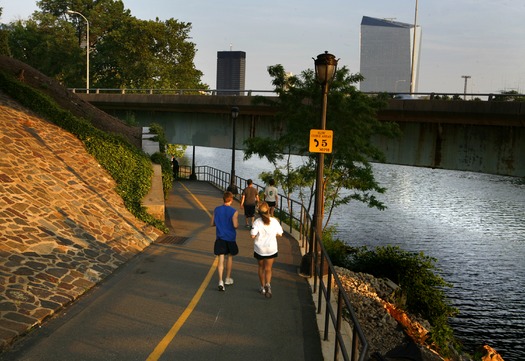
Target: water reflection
{"points": [[473, 224]]}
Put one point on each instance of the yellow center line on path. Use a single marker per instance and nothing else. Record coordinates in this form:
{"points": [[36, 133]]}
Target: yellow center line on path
{"points": [[196, 200], [163, 344]]}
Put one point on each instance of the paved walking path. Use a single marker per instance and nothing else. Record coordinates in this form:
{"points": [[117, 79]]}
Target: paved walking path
{"points": [[164, 303]]}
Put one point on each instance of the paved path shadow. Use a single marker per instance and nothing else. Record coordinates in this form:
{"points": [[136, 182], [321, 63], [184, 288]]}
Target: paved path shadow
{"points": [[164, 303]]}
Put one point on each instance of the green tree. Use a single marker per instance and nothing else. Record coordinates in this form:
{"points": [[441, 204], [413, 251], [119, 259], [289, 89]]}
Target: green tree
{"points": [[176, 150], [4, 44], [48, 44], [351, 115], [124, 51], [147, 54], [509, 96]]}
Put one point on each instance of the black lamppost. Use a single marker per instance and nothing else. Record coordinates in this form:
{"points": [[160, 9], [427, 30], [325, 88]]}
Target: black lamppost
{"points": [[232, 187], [325, 68]]}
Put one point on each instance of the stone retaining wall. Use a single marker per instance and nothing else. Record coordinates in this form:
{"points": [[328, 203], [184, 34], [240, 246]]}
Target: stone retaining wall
{"points": [[63, 228]]}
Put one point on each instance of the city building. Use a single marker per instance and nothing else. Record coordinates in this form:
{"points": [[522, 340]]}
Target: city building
{"points": [[231, 72], [388, 61]]}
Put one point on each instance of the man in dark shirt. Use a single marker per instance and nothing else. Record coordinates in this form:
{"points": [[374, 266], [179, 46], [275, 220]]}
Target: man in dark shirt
{"points": [[249, 200]]}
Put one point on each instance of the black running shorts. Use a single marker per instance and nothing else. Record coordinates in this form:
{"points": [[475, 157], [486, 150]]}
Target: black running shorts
{"points": [[225, 247]]}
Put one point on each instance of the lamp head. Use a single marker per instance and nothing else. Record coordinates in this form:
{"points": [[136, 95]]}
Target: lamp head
{"points": [[325, 67], [235, 112]]}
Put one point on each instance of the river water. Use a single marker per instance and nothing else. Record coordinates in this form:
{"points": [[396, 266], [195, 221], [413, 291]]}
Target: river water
{"points": [[472, 223]]}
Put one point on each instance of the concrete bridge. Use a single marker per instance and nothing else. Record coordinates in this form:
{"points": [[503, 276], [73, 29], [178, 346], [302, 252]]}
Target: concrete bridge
{"points": [[478, 136]]}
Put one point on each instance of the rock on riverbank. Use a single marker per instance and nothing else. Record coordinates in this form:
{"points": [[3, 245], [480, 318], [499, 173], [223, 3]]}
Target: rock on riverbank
{"points": [[371, 298], [391, 333]]}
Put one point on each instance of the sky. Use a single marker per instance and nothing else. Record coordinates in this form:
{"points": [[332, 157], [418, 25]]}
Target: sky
{"points": [[483, 39]]}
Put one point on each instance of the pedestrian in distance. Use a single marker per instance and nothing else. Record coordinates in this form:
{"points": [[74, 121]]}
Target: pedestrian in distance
{"points": [[249, 200], [265, 231], [175, 165], [271, 196], [225, 221]]}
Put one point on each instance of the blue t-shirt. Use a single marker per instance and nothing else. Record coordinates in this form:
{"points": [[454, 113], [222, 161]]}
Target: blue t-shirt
{"points": [[224, 224]]}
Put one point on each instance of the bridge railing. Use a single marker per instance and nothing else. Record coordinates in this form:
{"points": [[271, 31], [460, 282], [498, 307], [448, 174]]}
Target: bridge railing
{"points": [[326, 281], [250, 92], [147, 91]]}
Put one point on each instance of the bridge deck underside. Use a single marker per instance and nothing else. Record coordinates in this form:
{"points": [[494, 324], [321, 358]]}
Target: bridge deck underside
{"points": [[486, 137]]}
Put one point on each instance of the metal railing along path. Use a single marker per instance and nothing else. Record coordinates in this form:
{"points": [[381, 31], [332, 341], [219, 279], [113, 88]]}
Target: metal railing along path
{"points": [[326, 282]]}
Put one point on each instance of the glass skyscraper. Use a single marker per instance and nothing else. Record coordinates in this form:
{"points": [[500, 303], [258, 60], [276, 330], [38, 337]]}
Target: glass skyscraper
{"points": [[386, 55]]}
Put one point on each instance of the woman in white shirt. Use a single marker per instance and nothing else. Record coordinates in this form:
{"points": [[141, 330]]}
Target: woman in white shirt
{"points": [[265, 231]]}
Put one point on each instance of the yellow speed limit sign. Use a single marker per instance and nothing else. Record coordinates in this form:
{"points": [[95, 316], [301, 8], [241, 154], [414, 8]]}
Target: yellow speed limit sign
{"points": [[321, 141]]}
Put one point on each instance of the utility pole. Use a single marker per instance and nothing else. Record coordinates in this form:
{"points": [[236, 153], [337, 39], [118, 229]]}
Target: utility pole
{"points": [[466, 77], [412, 75]]}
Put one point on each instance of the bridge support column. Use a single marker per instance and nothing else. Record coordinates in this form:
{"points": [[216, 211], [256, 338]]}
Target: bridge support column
{"points": [[193, 176]]}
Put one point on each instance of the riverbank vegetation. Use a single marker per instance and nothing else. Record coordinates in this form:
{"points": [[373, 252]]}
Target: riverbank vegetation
{"points": [[421, 288]]}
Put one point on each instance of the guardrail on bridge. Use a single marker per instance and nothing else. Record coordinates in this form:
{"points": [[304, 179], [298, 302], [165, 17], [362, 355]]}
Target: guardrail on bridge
{"points": [[250, 92]]}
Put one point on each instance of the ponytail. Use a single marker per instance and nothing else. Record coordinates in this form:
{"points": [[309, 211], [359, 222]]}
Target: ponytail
{"points": [[264, 212]]}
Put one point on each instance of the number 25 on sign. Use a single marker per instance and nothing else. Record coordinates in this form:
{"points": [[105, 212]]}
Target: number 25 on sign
{"points": [[321, 141]]}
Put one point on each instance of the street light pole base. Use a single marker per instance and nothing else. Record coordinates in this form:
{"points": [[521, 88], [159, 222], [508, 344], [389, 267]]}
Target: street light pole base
{"points": [[306, 266], [233, 188]]}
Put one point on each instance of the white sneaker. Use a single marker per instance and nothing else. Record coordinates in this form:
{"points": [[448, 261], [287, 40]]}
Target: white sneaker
{"points": [[268, 291], [221, 286], [262, 291], [228, 282]]}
